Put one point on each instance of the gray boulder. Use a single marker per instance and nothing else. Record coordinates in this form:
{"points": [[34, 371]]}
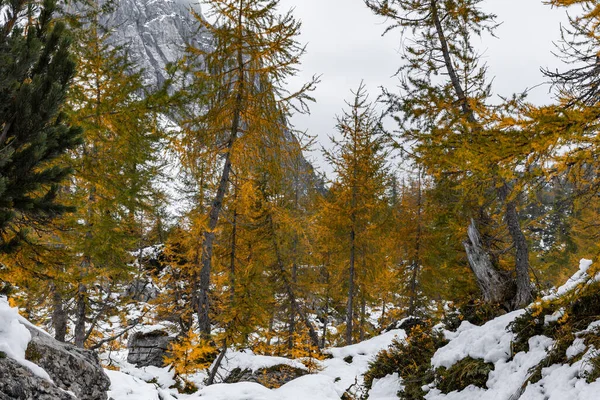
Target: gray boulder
{"points": [[148, 349], [272, 377], [19, 383], [71, 368]]}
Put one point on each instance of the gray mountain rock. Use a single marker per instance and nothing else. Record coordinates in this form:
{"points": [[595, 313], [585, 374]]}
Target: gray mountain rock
{"points": [[146, 349], [72, 369], [155, 33], [19, 383]]}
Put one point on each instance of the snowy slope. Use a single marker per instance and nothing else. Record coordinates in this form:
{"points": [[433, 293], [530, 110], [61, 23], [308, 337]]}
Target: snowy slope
{"points": [[336, 376], [509, 379]]}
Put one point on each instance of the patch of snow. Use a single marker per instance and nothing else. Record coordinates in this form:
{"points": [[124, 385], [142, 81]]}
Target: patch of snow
{"points": [[561, 382], [14, 338], [368, 347], [248, 360], [558, 314], [507, 377], [346, 374], [490, 342], [313, 387], [237, 391], [576, 348], [386, 388], [578, 278], [330, 383], [126, 387]]}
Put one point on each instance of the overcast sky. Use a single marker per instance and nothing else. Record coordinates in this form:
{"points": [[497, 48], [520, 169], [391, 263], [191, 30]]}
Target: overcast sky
{"points": [[345, 45]]}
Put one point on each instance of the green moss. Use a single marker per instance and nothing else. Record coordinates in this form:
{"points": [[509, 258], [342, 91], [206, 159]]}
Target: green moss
{"points": [[32, 353], [348, 359], [2, 354], [468, 371]]}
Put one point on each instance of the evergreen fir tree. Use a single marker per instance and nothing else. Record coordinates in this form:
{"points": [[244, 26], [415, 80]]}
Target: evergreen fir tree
{"points": [[36, 69]]}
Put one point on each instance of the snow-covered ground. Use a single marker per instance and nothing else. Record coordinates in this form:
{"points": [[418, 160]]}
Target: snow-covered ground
{"points": [[333, 379], [343, 372]]}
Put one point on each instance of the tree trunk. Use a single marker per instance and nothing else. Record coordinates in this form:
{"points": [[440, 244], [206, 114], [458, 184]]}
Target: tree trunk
{"points": [[523, 296], [292, 317], [492, 283], [363, 316], [458, 89], [314, 336], [511, 217], [412, 307], [233, 249], [59, 315], [325, 322], [218, 361], [217, 203], [350, 302], [80, 315]]}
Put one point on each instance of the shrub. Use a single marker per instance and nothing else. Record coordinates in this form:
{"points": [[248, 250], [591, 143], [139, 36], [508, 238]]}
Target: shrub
{"points": [[468, 371], [411, 359], [188, 355]]}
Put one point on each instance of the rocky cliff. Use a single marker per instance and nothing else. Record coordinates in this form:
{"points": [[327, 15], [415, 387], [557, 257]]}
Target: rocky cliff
{"points": [[155, 33], [35, 366]]}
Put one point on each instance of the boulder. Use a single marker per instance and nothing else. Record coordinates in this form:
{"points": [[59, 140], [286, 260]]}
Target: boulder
{"points": [[19, 383], [72, 369], [407, 324], [141, 290], [148, 348], [272, 377]]}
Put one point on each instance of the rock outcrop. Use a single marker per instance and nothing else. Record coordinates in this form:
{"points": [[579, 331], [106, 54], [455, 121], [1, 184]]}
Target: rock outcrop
{"points": [[19, 383], [155, 33], [272, 377], [72, 369], [148, 349]]}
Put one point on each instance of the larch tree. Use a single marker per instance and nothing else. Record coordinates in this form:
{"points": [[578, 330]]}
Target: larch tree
{"points": [[568, 131], [358, 159], [447, 124], [114, 170], [241, 97]]}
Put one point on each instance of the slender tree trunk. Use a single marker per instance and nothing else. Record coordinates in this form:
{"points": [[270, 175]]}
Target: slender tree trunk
{"points": [[80, 315], [217, 365], [292, 317], [412, 308], [460, 93], [314, 336], [233, 249], [325, 322], [523, 296], [59, 315], [217, 203], [511, 217], [350, 302], [208, 244], [363, 316]]}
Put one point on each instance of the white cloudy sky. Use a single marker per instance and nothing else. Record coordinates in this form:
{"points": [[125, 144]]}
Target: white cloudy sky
{"points": [[345, 46]]}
